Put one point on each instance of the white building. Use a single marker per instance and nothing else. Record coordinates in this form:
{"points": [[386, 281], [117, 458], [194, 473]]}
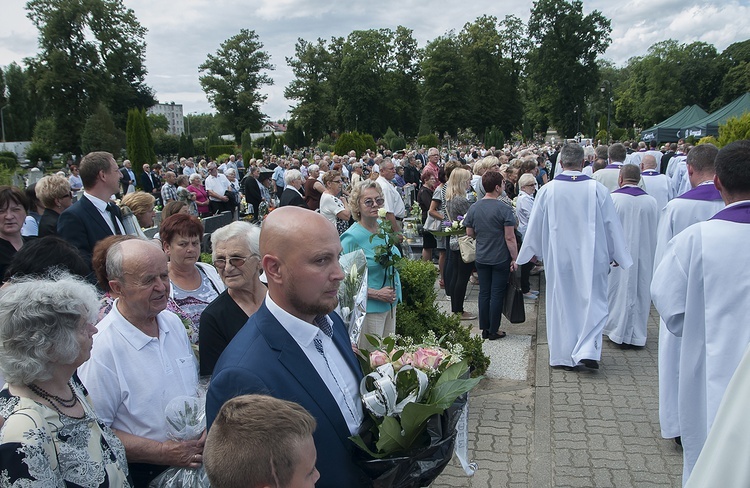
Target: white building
{"points": [[173, 113]]}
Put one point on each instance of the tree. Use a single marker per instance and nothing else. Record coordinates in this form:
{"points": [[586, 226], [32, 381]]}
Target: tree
{"points": [[166, 144], [43, 144], [99, 133], [444, 91], [402, 83], [19, 117], [158, 121], [562, 67], [139, 147], [311, 88], [233, 79], [736, 81], [91, 51]]}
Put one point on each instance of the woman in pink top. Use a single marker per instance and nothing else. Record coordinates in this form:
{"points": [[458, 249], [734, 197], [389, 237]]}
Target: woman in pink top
{"points": [[201, 195]]}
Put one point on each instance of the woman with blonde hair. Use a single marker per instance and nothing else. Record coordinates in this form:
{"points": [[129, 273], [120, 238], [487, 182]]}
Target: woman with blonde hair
{"points": [[457, 272], [54, 193], [140, 214]]}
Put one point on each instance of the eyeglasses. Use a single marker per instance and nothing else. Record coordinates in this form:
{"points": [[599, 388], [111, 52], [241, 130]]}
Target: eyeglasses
{"points": [[235, 261], [369, 203]]}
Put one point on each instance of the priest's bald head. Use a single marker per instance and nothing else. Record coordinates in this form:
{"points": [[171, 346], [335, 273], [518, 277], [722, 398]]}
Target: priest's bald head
{"points": [[571, 157], [648, 161], [733, 171]]}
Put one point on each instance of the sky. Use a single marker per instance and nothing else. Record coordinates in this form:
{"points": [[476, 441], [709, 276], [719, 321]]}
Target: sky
{"points": [[181, 33]]}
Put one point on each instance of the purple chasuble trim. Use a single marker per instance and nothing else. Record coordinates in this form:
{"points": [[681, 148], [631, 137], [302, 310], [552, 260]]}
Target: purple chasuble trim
{"points": [[706, 193], [631, 190], [650, 172], [739, 213], [574, 178], [613, 166]]}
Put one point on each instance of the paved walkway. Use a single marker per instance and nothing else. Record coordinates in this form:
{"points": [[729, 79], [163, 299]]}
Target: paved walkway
{"points": [[555, 428]]}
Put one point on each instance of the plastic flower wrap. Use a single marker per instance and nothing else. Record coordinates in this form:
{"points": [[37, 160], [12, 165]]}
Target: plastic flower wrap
{"points": [[455, 228], [414, 395], [186, 420], [353, 292]]}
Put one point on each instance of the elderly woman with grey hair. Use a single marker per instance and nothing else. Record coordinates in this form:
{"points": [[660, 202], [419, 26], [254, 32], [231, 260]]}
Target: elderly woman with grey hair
{"points": [[201, 195], [291, 195], [52, 436], [236, 256]]}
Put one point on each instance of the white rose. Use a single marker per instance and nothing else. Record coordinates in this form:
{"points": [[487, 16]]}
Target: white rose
{"points": [[382, 213]]}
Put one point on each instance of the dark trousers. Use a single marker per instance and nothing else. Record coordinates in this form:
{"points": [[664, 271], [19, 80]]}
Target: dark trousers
{"points": [[493, 280], [142, 473], [525, 274], [217, 207], [457, 277]]}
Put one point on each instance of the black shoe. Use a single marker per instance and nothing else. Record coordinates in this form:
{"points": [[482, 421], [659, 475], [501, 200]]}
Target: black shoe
{"points": [[678, 440], [485, 333], [564, 367], [590, 363], [495, 336]]}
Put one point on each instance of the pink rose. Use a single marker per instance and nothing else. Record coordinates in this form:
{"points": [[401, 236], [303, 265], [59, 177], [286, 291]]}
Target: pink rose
{"points": [[427, 358], [405, 359], [378, 358]]}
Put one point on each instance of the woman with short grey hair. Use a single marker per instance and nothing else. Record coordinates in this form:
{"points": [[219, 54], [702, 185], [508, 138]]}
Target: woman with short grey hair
{"points": [[236, 256], [51, 435], [291, 195]]}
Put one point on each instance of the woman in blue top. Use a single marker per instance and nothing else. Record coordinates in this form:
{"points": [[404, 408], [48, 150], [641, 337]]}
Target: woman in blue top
{"points": [[365, 201]]}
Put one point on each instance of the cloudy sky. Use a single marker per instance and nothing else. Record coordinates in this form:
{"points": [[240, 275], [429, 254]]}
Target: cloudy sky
{"points": [[182, 33]]}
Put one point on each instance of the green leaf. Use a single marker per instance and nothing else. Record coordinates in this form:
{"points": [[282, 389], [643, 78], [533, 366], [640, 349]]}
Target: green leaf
{"points": [[373, 340], [454, 372], [397, 355], [414, 419], [390, 439], [446, 393]]}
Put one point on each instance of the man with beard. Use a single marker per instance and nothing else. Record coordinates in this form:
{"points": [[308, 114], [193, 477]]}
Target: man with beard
{"points": [[294, 348]]}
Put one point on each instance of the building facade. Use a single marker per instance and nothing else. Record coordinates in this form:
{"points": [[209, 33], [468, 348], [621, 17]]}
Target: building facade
{"points": [[173, 113]]}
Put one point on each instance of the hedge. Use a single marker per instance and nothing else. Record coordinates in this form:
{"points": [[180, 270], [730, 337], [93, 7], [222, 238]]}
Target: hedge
{"points": [[216, 151]]}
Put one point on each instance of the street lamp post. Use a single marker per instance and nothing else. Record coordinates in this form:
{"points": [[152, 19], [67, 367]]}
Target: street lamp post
{"points": [[608, 84], [2, 120]]}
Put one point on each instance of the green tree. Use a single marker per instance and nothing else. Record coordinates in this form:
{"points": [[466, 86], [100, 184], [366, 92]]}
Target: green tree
{"points": [[402, 83], [22, 108], [562, 67], [736, 80], [233, 79], [734, 129], [90, 51], [99, 133], [199, 125], [43, 144], [311, 88], [444, 90], [166, 144], [138, 146], [158, 121]]}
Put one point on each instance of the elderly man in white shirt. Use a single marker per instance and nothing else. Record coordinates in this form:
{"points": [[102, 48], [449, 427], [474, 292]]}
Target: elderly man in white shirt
{"points": [[216, 186], [394, 204]]}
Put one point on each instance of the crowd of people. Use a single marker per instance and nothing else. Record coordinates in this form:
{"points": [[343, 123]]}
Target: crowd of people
{"points": [[101, 326]]}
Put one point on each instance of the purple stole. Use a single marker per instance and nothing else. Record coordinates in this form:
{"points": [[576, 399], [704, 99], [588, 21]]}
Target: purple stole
{"points": [[707, 193], [581, 177], [650, 172], [633, 191], [739, 213], [614, 166]]}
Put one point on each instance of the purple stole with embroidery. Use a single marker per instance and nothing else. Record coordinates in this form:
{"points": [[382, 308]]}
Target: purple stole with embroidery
{"points": [[581, 177], [739, 213], [650, 172], [614, 166]]}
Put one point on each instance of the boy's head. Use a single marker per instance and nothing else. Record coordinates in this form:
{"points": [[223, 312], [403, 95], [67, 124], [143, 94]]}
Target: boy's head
{"points": [[259, 441]]}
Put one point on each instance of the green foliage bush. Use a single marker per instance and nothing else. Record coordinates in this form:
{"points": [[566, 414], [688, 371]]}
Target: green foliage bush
{"points": [[418, 313], [734, 129], [619, 134], [429, 140], [349, 141], [216, 151], [325, 147], [167, 144], [221, 158], [709, 140], [602, 136], [369, 142], [397, 143], [8, 159], [494, 137], [39, 150]]}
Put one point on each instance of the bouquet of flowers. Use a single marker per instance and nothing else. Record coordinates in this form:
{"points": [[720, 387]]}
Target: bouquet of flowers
{"points": [[186, 420], [414, 395], [452, 229], [353, 292]]}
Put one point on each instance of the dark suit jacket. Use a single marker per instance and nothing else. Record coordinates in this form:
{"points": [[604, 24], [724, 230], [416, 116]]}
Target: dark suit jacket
{"points": [[146, 184], [82, 225], [264, 358], [125, 179], [252, 192], [48, 223], [291, 197]]}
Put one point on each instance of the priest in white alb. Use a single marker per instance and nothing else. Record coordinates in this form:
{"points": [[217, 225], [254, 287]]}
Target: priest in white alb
{"points": [[700, 289], [655, 183], [574, 228], [609, 176], [697, 205], [629, 294]]}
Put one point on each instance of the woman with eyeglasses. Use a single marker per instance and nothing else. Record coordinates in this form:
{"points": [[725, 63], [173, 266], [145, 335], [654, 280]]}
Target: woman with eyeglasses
{"points": [[331, 206], [236, 255], [55, 194], [193, 284], [365, 201]]}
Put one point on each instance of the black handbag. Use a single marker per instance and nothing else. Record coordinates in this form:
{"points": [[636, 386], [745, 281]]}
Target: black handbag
{"points": [[513, 307]]}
